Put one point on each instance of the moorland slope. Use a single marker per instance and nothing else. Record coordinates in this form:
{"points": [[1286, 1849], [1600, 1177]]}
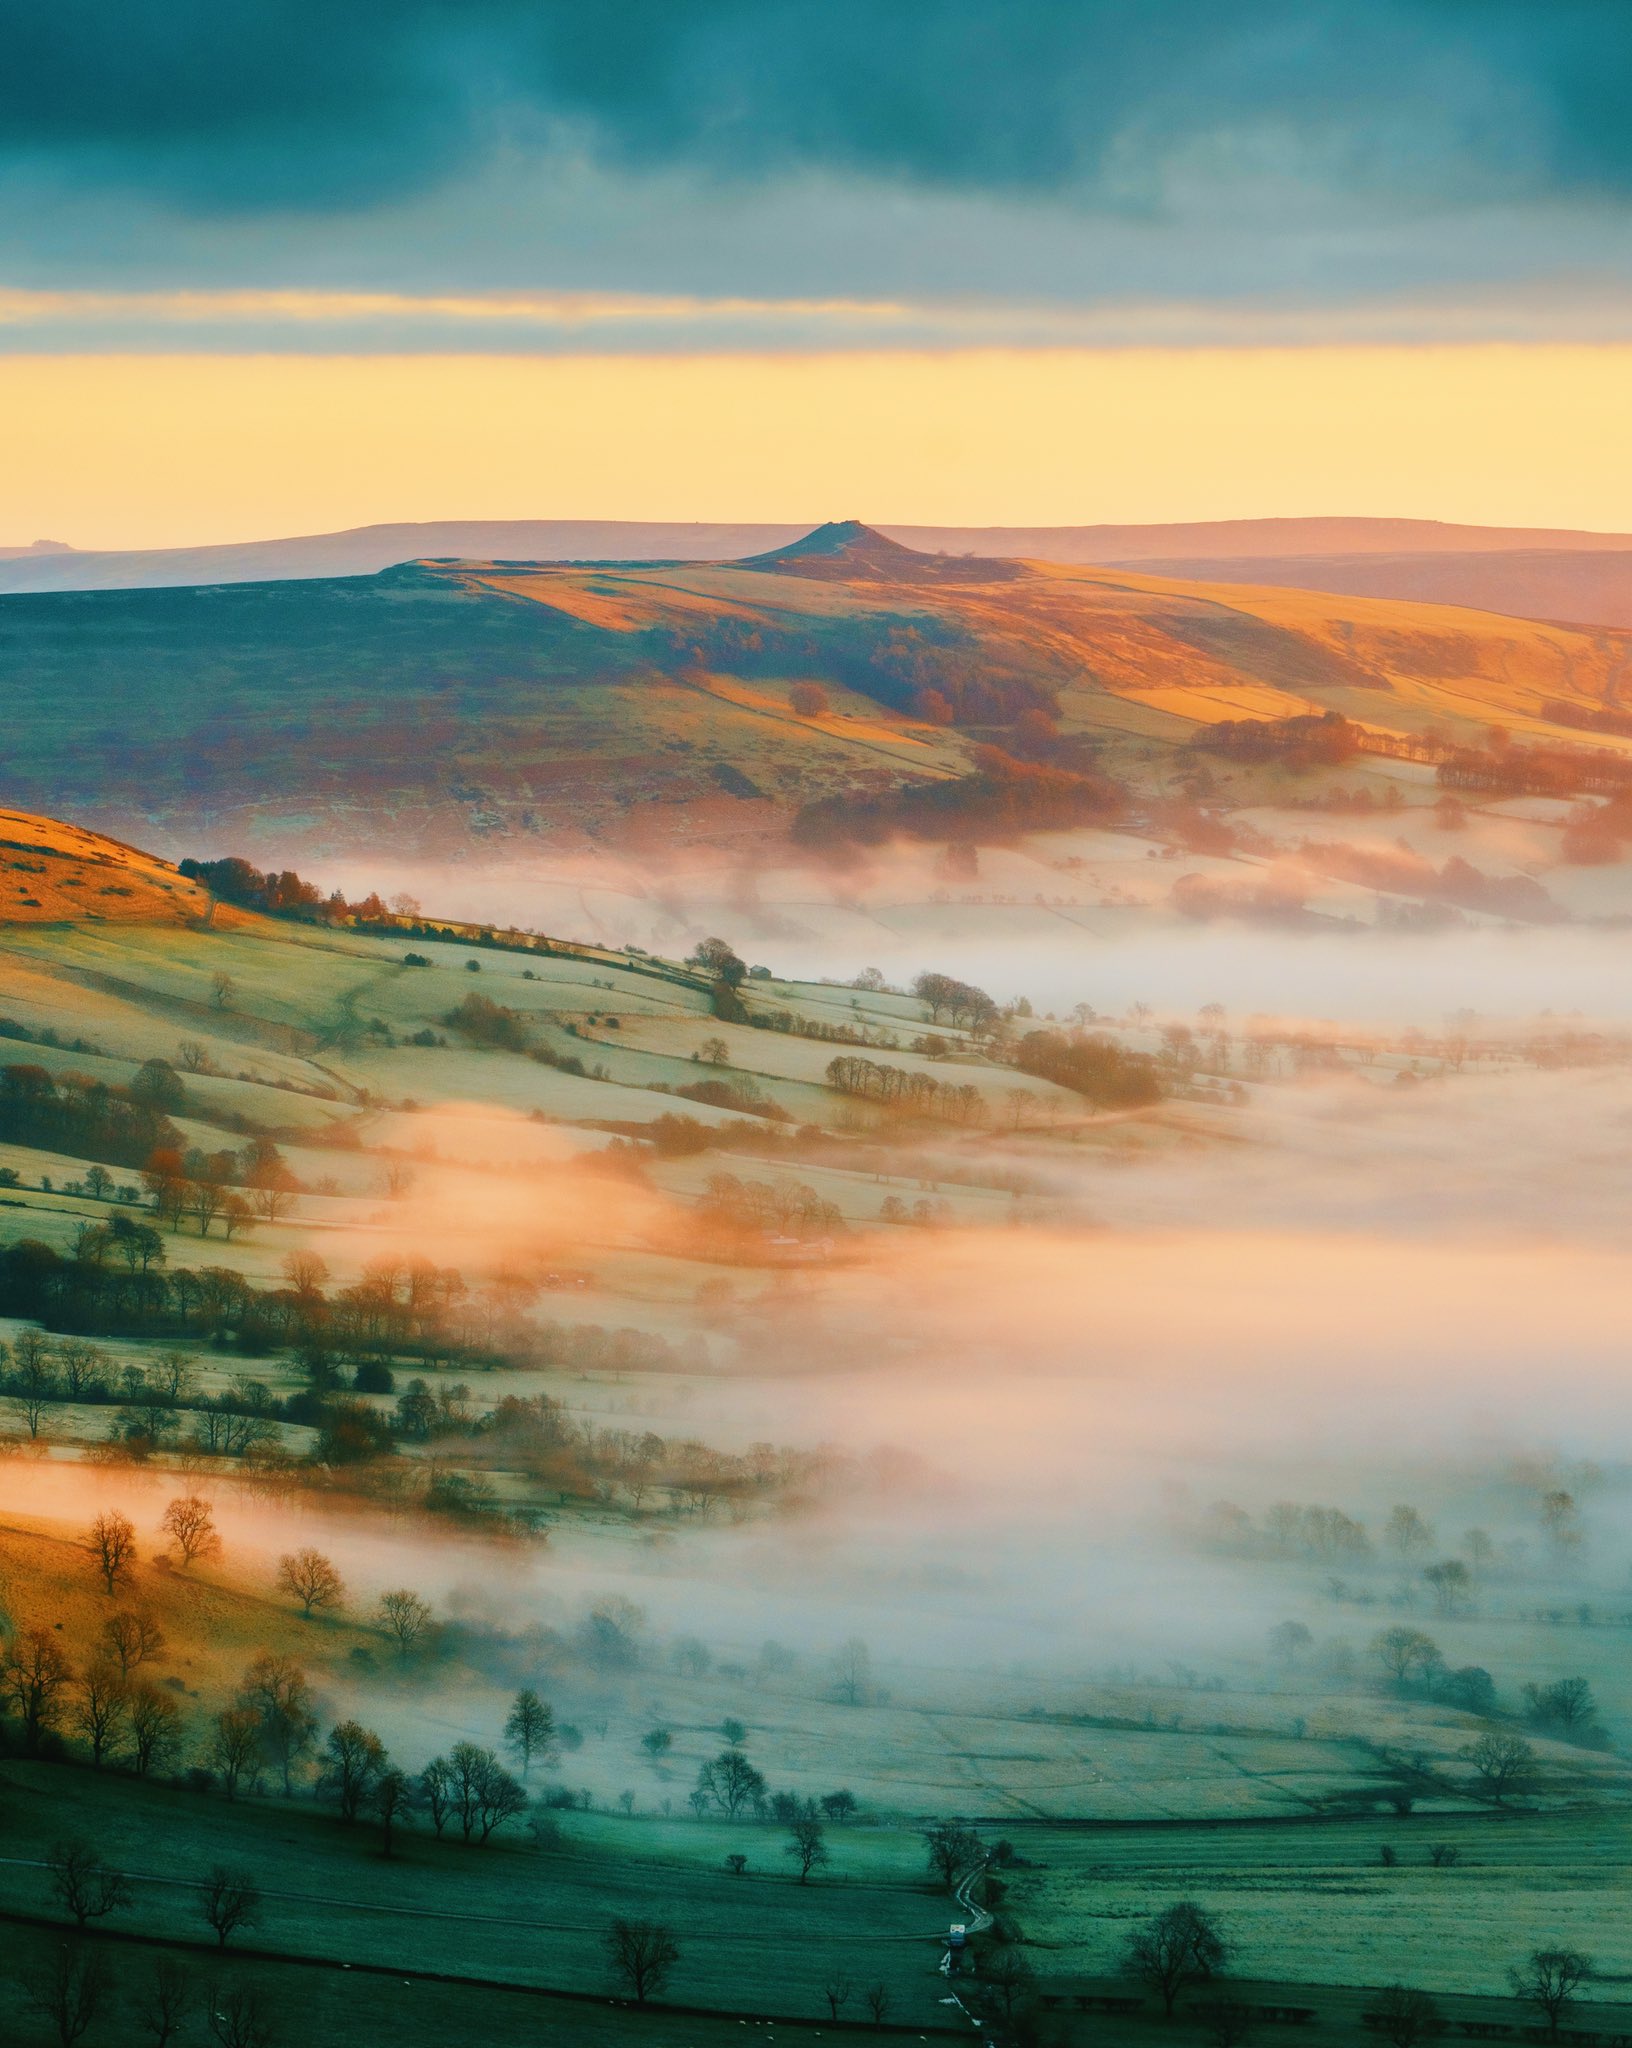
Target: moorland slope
{"points": [[485, 704]]}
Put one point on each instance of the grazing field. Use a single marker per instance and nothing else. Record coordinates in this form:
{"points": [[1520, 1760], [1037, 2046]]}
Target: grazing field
{"points": [[1314, 1903]]}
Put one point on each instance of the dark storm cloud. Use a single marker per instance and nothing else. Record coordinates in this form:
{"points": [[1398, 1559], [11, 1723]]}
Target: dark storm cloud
{"points": [[291, 104]]}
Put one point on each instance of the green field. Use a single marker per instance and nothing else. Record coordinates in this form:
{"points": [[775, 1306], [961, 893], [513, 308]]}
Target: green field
{"points": [[509, 1911], [1313, 1902]]}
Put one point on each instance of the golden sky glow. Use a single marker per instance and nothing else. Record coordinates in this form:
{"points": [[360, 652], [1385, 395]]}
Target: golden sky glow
{"points": [[156, 450]]}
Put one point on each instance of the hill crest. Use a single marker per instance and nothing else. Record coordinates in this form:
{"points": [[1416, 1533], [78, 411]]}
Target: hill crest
{"points": [[849, 551]]}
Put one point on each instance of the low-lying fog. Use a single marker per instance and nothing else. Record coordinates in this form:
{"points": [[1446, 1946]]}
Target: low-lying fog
{"points": [[1349, 1292], [814, 923]]}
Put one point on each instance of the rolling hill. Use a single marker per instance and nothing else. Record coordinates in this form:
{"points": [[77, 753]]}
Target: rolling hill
{"points": [[52, 872], [442, 706]]}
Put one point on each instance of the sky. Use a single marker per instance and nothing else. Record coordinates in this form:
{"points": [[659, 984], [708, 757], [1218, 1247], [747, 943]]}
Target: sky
{"points": [[931, 260]]}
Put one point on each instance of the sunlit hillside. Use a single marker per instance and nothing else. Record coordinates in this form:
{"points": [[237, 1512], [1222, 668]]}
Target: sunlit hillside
{"points": [[497, 708]]}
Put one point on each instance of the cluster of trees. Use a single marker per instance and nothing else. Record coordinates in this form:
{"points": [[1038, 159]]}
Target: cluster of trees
{"points": [[87, 1119], [905, 1090], [1502, 769], [1314, 740], [954, 1002], [1108, 1075], [735, 1208], [1288, 1529], [1003, 799]]}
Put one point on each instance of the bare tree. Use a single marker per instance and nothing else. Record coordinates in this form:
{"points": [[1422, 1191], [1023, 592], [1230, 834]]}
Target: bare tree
{"points": [[807, 1846], [112, 1544], [154, 1727], [160, 2005], [1406, 1654], [391, 1800], [189, 1521], [34, 1674], [223, 988], [529, 1730], [836, 1989], [33, 1379], [86, 1888], [953, 1850], [132, 1638], [67, 1990], [234, 1750], [642, 1954], [853, 1672], [1404, 2016], [405, 1617], [483, 1793], [435, 1788], [353, 1760], [311, 1578], [238, 2017], [1009, 1976], [1452, 1585], [731, 1781], [1174, 1949], [277, 1692], [101, 1698], [229, 1899], [1550, 1980], [1505, 1761], [878, 2002]]}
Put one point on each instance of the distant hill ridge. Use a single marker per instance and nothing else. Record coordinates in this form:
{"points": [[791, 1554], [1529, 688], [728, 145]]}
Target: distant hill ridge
{"points": [[1529, 572]]}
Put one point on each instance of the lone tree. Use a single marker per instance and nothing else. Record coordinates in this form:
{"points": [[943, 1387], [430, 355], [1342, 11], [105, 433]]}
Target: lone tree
{"points": [[1406, 1654], [229, 1899], [731, 1781], [189, 1522], [354, 1758], [657, 1742], [392, 1797], [277, 1692], [953, 1850], [1549, 1980], [154, 1728], [112, 1544], [1404, 2016], [67, 1990], [161, 2002], [100, 1701], [529, 1730], [1178, 1947], [311, 1578], [405, 1618], [1505, 1761], [33, 1677], [853, 1672], [87, 1889], [836, 1989], [234, 1748], [132, 1638], [642, 1954], [239, 2017], [807, 1846]]}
